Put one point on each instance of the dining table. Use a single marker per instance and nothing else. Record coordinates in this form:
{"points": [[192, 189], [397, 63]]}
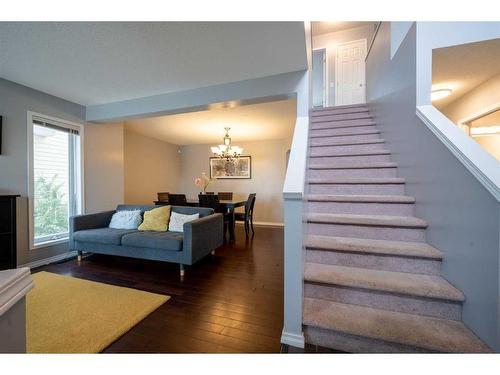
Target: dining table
{"points": [[227, 205]]}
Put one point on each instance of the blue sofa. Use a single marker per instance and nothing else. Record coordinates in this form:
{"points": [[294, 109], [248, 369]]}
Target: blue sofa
{"points": [[91, 233]]}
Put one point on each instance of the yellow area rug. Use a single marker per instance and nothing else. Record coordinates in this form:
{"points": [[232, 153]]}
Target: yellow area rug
{"points": [[69, 315]]}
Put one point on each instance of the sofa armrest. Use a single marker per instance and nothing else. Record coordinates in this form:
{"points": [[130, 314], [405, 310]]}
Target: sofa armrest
{"points": [[201, 236], [90, 221]]}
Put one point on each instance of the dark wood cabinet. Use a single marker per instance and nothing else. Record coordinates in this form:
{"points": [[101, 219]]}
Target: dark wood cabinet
{"points": [[8, 238]]}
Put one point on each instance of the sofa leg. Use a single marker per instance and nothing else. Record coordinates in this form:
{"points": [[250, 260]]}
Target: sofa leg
{"points": [[212, 252], [79, 256], [182, 270]]}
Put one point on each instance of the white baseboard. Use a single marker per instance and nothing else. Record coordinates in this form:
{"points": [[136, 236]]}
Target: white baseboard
{"points": [[45, 261], [293, 339], [264, 223]]}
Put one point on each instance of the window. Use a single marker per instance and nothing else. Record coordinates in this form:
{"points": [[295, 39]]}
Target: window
{"points": [[55, 177]]}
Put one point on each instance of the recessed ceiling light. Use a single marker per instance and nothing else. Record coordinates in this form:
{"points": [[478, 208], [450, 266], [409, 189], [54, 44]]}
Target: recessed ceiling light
{"points": [[440, 94]]}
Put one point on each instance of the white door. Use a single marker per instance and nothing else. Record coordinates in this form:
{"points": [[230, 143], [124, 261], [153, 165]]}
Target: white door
{"points": [[350, 73]]}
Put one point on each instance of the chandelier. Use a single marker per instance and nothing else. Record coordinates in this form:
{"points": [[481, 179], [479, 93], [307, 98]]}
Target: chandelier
{"points": [[226, 151]]}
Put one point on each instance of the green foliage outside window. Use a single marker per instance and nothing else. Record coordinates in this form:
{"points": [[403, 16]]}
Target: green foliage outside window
{"points": [[51, 208]]}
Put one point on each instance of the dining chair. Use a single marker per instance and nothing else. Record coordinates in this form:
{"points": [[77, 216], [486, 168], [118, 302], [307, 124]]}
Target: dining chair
{"points": [[163, 197], [212, 201], [247, 216], [225, 196], [177, 199]]}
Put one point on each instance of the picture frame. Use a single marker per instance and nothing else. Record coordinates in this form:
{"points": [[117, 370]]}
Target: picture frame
{"points": [[239, 169]]}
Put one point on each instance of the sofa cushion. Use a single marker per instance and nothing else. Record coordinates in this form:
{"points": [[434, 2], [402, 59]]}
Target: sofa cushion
{"points": [[107, 236], [154, 240]]}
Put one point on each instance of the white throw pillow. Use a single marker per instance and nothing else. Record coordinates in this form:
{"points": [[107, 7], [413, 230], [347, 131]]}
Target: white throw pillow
{"points": [[127, 219], [177, 221]]}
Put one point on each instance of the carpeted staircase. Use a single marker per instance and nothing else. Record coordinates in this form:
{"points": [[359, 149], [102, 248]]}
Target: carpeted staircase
{"points": [[371, 282]]}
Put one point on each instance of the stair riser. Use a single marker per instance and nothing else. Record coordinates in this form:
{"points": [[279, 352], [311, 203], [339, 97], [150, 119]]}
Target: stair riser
{"points": [[347, 124], [347, 159], [341, 117], [330, 112], [352, 173], [385, 301], [361, 208], [373, 232], [314, 150], [375, 261], [354, 344], [362, 189], [358, 130], [344, 138]]}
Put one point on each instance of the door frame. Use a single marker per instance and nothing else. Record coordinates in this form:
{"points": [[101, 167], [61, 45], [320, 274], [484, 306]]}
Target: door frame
{"points": [[337, 65], [325, 74]]}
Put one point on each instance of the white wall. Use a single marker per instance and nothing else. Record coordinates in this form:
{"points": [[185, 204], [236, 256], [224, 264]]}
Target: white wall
{"points": [[104, 174], [330, 41], [268, 175], [398, 33], [432, 35], [151, 166]]}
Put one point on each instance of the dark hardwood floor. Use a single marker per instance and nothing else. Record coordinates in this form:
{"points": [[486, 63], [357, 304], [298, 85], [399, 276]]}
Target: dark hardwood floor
{"points": [[228, 303]]}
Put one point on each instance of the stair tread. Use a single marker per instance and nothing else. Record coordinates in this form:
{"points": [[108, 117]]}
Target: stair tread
{"points": [[336, 118], [412, 284], [360, 198], [357, 180], [321, 109], [352, 153], [348, 143], [339, 124], [366, 132], [353, 165], [367, 220], [382, 247], [407, 329]]}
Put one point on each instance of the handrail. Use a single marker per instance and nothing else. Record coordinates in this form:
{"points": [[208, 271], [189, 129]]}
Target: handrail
{"points": [[373, 39], [295, 175]]}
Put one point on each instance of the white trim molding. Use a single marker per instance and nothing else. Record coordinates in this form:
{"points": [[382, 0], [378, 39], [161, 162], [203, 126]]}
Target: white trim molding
{"points": [[480, 163], [293, 339], [14, 284], [53, 259]]}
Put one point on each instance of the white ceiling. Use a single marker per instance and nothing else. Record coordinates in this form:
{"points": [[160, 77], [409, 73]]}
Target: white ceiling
{"points": [[324, 27], [255, 122], [95, 63], [462, 68]]}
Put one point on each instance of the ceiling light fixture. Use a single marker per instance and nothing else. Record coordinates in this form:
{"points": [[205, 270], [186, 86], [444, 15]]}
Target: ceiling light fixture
{"points": [[485, 130], [226, 150], [440, 94]]}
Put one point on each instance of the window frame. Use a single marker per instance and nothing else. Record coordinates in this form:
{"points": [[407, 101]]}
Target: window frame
{"points": [[31, 189]]}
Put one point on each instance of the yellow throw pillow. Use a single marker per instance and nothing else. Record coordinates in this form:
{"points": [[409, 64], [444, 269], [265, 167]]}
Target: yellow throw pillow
{"points": [[156, 219]]}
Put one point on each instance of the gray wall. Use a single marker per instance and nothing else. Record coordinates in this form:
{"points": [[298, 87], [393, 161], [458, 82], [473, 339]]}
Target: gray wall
{"points": [[150, 166], [463, 216], [15, 101]]}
